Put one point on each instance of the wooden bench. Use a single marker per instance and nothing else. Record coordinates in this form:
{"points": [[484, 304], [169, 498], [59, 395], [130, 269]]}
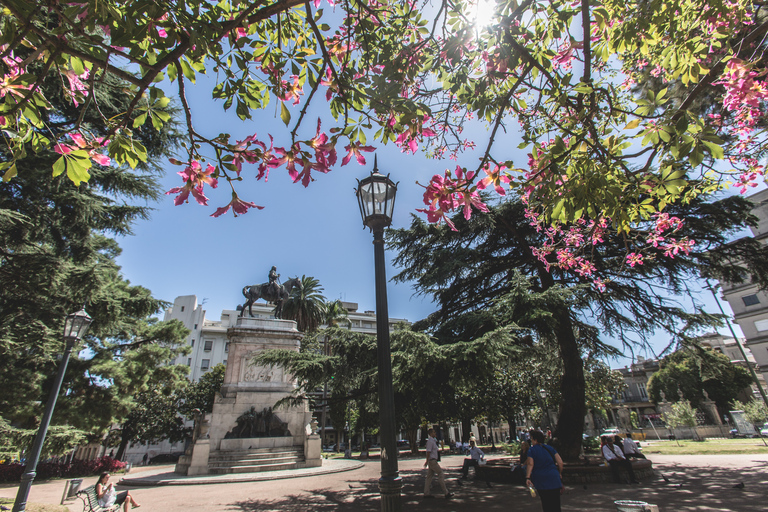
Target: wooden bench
{"points": [[91, 500]]}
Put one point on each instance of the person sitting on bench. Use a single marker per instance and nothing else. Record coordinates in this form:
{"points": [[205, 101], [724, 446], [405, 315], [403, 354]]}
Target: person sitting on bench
{"points": [[105, 491], [475, 454], [616, 460]]}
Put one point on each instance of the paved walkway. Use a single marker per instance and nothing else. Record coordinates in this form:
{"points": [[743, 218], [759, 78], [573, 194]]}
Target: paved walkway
{"points": [[696, 483]]}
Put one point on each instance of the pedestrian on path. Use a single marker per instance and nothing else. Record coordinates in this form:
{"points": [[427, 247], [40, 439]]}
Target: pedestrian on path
{"points": [[544, 472], [433, 467]]}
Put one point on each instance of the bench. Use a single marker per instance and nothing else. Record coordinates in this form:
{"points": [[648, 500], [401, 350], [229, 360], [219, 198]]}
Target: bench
{"points": [[91, 500]]}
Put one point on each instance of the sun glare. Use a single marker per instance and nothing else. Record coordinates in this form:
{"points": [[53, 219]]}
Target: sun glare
{"points": [[484, 11]]}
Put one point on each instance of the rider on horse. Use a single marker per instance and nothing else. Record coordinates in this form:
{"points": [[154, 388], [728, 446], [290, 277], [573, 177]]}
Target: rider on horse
{"points": [[274, 286]]}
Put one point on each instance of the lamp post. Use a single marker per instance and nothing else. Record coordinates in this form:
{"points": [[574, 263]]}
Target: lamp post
{"points": [[543, 395], [376, 197], [75, 327]]}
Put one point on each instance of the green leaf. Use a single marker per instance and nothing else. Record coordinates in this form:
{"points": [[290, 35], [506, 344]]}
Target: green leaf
{"points": [[10, 173], [77, 170], [285, 115], [59, 166]]}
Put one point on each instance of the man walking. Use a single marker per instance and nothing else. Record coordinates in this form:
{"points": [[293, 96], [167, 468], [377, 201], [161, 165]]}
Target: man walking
{"points": [[433, 456]]}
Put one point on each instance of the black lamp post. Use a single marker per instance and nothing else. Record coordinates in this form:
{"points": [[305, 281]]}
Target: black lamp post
{"points": [[75, 327], [543, 394], [376, 196]]}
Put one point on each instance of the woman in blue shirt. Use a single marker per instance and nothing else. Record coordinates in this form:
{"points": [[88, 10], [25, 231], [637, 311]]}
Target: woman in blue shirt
{"points": [[543, 471]]}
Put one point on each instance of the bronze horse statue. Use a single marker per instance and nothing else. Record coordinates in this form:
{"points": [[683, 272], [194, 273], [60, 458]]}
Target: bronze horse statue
{"points": [[264, 291]]}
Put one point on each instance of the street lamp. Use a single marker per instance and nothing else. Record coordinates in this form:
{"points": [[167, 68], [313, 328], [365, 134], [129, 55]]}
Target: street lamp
{"points": [[543, 395], [75, 327], [376, 197]]}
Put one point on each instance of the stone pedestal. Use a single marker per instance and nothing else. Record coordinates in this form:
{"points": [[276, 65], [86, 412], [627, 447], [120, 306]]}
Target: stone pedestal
{"points": [[246, 386], [198, 463], [710, 409], [313, 451]]}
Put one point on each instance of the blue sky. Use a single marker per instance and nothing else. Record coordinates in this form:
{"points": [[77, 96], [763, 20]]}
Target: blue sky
{"points": [[316, 231]]}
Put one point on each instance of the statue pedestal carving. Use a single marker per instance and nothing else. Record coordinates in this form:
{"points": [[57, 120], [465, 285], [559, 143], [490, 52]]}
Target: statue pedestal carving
{"points": [[248, 388]]}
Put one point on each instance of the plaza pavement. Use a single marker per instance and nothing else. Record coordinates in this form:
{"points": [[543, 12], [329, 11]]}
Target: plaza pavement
{"points": [[697, 483]]}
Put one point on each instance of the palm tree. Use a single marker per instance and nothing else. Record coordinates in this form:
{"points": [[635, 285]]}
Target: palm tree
{"points": [[306, 305], [336, 315]]}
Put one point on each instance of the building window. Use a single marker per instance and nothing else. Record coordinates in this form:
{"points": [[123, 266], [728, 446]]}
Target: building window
{"points": [[192, 342], [643, 391], [761, 325], [750, 300], [226, 347], [208, 345], [189, 361], [195, 327], [182, 309], [205, 364]]}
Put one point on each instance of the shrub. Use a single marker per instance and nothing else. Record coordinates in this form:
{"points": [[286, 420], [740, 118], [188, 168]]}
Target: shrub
{"points": [[48, 470]]}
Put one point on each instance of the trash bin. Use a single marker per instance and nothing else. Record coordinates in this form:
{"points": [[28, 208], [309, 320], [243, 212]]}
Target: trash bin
{"points": [[74, 486], [128, 467], [630, 506]]}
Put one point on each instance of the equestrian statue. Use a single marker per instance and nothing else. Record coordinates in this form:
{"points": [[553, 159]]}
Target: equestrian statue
{"points": [[271, 291]]}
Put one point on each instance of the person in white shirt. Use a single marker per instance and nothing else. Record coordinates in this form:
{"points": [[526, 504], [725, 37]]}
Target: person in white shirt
{"points": [[475, 455], [615, 458], [434, 468], [630, 449]]}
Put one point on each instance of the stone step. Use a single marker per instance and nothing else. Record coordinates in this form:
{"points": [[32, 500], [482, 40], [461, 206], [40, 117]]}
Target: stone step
{"points": [[256, 462], [251, 451], [256, 469], [254, 456]]}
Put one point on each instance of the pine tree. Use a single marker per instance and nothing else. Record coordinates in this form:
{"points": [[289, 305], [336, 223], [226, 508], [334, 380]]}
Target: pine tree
{"points": [[471, 274]]}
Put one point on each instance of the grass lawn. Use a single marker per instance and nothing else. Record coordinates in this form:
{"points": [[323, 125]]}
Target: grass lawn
{"points": [[35, 507], [708, 447]]}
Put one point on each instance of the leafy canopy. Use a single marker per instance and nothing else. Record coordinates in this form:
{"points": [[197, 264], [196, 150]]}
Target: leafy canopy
{"points": [[602, 154]]}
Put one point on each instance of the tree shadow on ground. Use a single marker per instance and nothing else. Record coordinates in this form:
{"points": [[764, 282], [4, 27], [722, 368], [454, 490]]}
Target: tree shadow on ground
{"points": [[689, 488]]}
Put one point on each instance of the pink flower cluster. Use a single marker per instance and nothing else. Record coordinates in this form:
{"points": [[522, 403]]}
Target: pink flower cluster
{"points": [[81, 144], [195, 178], [445, 194]]}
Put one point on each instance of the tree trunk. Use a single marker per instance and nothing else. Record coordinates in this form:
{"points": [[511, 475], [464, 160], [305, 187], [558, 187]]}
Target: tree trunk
{"points": [[512, 426], [466, 429], [570, 421], [412, 433], [121, 449]]}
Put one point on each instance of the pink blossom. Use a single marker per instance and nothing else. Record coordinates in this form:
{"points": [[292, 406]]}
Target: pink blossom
{"points": [[238, 207], [634, 259], [80, 142], [495, 178], [355, 149], [292, 91], [195, 179]]}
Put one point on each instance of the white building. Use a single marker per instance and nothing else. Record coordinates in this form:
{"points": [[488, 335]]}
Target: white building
{"points": [[208, 338], [748, 302]]}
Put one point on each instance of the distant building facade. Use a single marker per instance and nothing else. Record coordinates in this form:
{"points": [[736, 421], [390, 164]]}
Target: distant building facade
{"points": [[635, 399], [748, 302]]}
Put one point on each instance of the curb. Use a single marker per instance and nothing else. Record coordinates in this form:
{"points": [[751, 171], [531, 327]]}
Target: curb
{"points": [[173, 479]]}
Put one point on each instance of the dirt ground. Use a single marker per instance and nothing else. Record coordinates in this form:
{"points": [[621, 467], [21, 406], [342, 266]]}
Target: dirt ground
{"points": [[696, 482]]}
